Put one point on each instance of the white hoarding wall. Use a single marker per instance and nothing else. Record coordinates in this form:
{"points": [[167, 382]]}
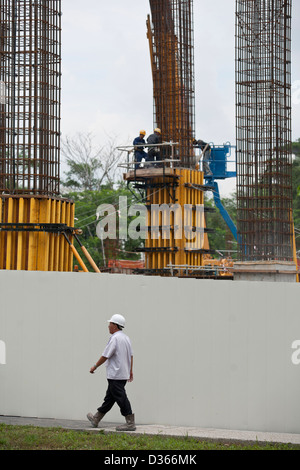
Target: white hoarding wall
{"points": [[213, 354]]}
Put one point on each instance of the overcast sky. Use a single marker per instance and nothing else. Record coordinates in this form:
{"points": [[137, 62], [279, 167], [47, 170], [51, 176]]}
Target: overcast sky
{"points": [[107, 81]]}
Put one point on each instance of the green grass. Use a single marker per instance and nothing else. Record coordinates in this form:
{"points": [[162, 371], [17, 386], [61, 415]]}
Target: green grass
{"points": [[37, 438]]}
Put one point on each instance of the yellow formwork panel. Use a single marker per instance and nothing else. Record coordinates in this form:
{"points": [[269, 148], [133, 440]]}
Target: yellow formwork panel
{"points": [[35, 251], [178, 247]]}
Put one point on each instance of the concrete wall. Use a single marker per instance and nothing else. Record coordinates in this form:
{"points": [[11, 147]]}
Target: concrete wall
{"points": [[215, 354]]}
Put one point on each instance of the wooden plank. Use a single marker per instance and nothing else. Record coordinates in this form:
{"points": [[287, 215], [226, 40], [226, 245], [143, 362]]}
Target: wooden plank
{"points": [[52, 236], [62, 241], [1, 237], [57, 237], [9, 236], [20, 235], [71, 224], [33, 236], [149, 173], [43, 237]]}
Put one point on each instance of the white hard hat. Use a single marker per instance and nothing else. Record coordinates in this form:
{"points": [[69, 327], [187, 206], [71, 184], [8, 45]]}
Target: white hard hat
{"points": [[118, 320]]}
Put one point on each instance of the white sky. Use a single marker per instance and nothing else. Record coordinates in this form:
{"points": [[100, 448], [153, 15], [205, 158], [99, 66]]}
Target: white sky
{"points": [[107, 81]]}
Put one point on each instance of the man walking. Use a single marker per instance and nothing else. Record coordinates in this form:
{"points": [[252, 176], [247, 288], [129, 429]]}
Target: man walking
{"points": [[118, 357]]}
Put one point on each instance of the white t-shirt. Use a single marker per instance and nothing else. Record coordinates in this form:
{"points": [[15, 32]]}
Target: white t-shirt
{"points": [[118, 352]]}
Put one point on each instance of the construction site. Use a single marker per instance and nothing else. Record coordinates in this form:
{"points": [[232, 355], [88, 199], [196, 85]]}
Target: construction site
{"points": [[236, 320]]}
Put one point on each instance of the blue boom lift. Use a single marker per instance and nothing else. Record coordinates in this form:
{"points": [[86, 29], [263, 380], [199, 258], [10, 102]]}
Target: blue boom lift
{"points": [[220, 155]]}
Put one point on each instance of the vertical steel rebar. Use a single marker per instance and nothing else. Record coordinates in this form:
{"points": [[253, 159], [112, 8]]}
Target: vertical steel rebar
{"points": [[263, 128], [171, 38], [30, 78]]}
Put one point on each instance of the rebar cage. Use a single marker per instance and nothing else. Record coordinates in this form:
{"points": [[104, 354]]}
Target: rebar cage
{"points": [[171, 38], [30, 85], [263, 122]]}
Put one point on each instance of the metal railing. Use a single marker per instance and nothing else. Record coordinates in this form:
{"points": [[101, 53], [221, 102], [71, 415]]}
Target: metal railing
{"points": [[163, 162]]}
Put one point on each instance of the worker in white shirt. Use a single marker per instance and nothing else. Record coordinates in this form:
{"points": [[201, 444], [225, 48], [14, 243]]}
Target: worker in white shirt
{"points": [[118, 357]]}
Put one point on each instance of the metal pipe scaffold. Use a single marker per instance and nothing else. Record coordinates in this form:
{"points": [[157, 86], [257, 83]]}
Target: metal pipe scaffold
{"points": [[263, 122], [33, 216], [30, 77]]}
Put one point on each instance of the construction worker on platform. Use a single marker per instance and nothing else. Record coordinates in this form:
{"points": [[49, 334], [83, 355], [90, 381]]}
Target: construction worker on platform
{"points": [[139, 152], [154, 152], [206, 152]]}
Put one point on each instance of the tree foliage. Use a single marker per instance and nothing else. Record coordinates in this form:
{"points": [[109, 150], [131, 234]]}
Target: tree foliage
{"points": [[91, 181], [221, 240], [89, 166], [86, 205], [296, 148]]}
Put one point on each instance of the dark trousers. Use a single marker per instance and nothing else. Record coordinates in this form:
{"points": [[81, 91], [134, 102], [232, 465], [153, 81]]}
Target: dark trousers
{"points": [[116, 394], [152, 154], [138, 157]]}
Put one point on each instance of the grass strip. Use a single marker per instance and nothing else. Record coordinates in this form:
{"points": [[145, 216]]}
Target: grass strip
{"points": [[38, 438]]}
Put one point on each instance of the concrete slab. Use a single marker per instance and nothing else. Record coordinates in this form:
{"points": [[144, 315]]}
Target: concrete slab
{"points": [[267, 271]]}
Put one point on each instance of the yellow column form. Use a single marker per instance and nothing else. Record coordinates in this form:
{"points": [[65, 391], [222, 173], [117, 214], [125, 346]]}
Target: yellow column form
{"points": [[43, 242], [52, 237], [178, 186], [33, 236], [9, 246], [180, 255], [35, 250], [62, 241], [1, 237], [20, 236]]}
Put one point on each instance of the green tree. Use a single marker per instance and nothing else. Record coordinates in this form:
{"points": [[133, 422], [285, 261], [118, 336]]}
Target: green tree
{"points": [[296, 147], [221, 239], [86, 205], [91, 181]]}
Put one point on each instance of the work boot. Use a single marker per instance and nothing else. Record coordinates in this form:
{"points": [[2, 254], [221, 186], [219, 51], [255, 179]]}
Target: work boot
{"points": [[129, 426], [95, 419]]}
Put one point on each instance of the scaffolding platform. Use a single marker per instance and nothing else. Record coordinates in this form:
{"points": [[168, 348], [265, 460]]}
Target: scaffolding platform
{"points": [[145, 173]]}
